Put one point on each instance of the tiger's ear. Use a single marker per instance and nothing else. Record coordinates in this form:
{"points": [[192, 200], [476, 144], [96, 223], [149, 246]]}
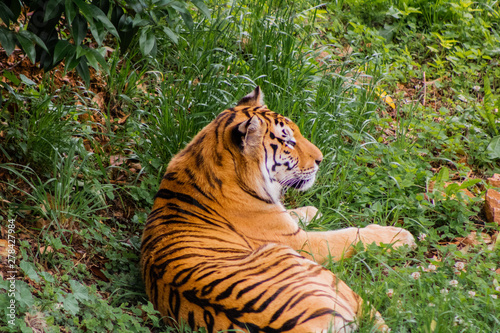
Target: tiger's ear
{"points": [[255, 98], [253, 130]]}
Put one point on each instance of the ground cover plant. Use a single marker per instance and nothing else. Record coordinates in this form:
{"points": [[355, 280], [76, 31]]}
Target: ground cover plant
{"points": [[401, 96]]}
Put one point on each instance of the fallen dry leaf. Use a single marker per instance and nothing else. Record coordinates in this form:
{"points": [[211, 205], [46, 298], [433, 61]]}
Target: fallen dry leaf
{"points": [[4, 245], [473, 239], [98, 273], [117, 160], [122, 120], [46, 249], [99, 100]]}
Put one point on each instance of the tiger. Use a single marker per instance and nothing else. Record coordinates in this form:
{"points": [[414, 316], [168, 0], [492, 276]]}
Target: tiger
{"points": [[219, 250]]}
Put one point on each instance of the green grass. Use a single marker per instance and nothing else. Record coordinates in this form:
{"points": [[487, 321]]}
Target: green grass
{"points": [[79, 175]]}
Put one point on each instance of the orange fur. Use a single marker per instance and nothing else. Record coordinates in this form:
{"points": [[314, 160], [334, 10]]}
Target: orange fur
{"points": [[219, 250]]}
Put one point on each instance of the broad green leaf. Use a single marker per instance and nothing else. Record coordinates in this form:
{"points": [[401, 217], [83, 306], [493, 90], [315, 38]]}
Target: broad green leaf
{"points": [[81, 50], [52, 9], [493, 149], [170, 34], [451, 189], [107, 23], [29, 270], [34, 38], [179, 6], [469, 182], [394, 12], [92, 60], [26, 81], [98, 31], [139, 21], [6, 15], [488, 103], [80, 291], [202, 7], [70, 10], [23, 294], [79, 29], [47, 277], [92, 13], [188, 20], [147, 41], [56, 244], [70, 304], [83, 70], [62, 49], [71, 62], [442, 176], [28, 47], [97, 56], [12, 77], [7, 40], [163, 3]]}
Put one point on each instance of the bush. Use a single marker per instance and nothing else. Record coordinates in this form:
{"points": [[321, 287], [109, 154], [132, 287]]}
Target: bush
{"points": [[51, 31]]}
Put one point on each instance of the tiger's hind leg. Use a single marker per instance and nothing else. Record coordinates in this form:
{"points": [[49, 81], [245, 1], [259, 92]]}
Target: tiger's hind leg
{"points": [[272, 289]]}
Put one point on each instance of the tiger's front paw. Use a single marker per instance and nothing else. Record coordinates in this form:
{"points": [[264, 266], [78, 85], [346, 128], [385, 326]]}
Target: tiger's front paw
{"points": [[305, 214], [387, 235]]}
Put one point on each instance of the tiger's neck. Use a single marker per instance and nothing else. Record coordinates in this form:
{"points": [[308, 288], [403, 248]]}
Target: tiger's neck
{"points": [[207, 170]]}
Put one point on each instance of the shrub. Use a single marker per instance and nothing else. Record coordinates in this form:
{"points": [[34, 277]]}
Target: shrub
{"points": [[51, 31]]}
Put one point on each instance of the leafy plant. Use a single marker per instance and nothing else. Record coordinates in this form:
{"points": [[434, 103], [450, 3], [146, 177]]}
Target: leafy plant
{"points": [[57, 30], [56, 200]]}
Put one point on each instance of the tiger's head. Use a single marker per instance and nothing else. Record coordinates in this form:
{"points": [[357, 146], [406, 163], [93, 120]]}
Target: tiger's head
{"points": [[269, 149], [250, 146]]}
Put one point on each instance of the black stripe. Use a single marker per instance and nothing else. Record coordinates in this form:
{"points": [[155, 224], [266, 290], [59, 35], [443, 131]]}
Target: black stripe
{"points": [[196, 187], [254, 194], [323, 312], [167, 195], [294, 233], [207, 289], [229, 290], [209, 321], [174, 301], [170, 176], [191, 320]]}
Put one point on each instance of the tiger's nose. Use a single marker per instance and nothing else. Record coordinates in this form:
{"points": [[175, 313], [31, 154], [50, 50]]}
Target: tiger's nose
{"points": [[318, 161]]}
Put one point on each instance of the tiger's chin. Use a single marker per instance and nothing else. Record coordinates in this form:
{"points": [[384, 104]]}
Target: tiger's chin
{"points": [[300, 184]]}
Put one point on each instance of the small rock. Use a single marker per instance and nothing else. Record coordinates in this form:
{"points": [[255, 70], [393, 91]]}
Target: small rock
{"points": [[493, 206], [495, 180]]}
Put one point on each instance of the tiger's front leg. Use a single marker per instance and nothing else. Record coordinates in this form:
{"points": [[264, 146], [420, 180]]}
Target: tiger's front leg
{"points": [[304, 214], [340, 244]]}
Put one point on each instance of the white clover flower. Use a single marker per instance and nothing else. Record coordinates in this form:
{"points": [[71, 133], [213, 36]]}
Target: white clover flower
{"points": [[459, 265], [494, 296], [415, 275], [472, 293], [497, 288], [432, 268], [444, 291], [422, 237], [390, 292], [432, 305], [453, 283], [476, 88]]}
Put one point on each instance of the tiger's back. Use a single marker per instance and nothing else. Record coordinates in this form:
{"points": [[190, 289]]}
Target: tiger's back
{"points": [[219, 249]]}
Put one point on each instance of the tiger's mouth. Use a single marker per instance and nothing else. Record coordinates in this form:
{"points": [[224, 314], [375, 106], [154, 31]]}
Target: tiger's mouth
{"points": [[300, 183]]}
